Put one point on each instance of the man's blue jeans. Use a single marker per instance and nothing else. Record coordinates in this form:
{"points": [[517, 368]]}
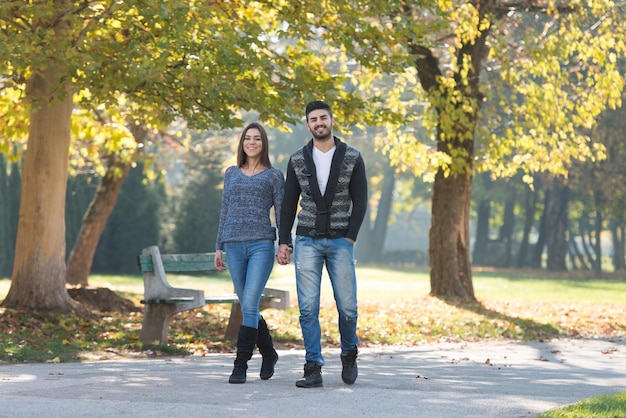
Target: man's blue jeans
{"points": [[338, 255], [250, 264]]}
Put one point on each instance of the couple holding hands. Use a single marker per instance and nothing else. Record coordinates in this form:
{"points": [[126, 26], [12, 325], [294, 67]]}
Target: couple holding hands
{"points": [[328, 178]]}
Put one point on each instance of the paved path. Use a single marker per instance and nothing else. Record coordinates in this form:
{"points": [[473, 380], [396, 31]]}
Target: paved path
{"points": [[439, 380]]}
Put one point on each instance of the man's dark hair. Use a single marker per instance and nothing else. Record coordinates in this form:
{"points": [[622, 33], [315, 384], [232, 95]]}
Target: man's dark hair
{"points": [[317, 105]]}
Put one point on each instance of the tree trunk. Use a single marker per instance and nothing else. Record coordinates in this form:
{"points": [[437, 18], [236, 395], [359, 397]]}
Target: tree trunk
{"points": [[537, 255], [369, 246], [508, 225], [530, 203], [557, 230], [362, 246], [576, 256], [38, 280], [482, 224], [382, 214], [5, 218], [586, 238], [99, 211], [597, 248], [617, 234], [94, 221], [450, 266], [459, 104]]}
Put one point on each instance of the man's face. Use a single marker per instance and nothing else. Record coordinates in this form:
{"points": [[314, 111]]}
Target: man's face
{"points": [[320, 124]]}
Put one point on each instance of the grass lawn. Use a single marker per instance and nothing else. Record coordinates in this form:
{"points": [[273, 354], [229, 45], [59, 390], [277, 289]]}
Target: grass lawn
{"points": [[609, 406], [384, 284], [394, 308]]}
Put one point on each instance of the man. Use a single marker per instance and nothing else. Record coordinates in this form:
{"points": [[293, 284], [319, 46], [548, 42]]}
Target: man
{"points": [[328, 177]]}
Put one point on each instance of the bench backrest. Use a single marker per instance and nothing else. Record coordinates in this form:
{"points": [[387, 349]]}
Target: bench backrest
{"points": [[179, 263]]}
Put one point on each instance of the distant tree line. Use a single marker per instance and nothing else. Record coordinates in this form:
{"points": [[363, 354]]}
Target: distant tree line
{"points": [[183, 219], [558, 224], [10, 184]]}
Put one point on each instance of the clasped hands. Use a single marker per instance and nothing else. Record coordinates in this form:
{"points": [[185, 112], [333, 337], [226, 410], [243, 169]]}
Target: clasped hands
{"points": [[284, 254]]}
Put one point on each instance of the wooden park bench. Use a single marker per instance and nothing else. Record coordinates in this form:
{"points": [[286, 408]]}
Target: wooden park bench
{"points": [[161, 300]]}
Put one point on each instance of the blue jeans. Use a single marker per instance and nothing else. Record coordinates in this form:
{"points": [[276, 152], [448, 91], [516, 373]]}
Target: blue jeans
{"points": [[310, 256], [250, 264]]}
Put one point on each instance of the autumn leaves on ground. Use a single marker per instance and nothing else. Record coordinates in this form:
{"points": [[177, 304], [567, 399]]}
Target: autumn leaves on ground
{"points": [[395, 309]]}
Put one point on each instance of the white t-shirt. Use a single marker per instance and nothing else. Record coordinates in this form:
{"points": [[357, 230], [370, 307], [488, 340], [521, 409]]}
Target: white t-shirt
{"points": [[323, 162]]}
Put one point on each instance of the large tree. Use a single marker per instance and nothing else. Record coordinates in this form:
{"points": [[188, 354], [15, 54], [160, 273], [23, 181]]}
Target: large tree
{"points": [[548, 67], [200, 61], [39, 264], [558, 85]]}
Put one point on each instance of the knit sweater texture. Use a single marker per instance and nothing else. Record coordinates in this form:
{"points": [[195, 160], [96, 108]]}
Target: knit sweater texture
{"points": [[337, 213], [246, 206]]}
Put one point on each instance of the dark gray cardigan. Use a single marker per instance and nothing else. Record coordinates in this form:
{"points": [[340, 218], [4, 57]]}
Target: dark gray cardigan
{"points": [[340, 212]]}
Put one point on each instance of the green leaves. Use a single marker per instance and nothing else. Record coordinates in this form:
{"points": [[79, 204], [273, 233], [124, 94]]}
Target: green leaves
{"points": [[538, 83], [559, 81], [199, 60]]}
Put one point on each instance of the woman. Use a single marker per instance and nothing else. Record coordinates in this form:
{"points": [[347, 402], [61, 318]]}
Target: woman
{"points": [[246, 234]]}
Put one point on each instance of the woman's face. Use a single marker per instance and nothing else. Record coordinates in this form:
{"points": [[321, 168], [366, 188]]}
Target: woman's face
{"points": [[252, 143]]}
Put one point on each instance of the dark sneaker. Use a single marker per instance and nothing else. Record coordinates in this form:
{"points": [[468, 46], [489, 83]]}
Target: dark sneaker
{"points": [[349, 372], [312, 376]]}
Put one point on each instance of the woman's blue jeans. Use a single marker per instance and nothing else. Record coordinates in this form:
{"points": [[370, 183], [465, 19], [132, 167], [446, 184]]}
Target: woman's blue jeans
{"points": [[310, 256], [250, 264]]}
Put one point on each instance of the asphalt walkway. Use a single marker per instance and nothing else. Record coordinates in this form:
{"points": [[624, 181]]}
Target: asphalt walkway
{"points": [[495, 379]]}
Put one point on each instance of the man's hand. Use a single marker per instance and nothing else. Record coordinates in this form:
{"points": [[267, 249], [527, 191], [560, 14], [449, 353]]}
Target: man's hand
{"points": [[284, 254]]}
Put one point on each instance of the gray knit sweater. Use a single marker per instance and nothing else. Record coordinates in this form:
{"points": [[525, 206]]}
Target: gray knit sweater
{"points": [[246, 204]]}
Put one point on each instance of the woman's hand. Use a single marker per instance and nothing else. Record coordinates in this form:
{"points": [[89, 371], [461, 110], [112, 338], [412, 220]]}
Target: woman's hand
{"points": [[219, 260], [284, 254]]}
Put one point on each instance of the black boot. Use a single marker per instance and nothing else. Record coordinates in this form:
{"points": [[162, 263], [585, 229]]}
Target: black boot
{"points": [[246, 340], [266, 348], [312, 376], [349, 370]]}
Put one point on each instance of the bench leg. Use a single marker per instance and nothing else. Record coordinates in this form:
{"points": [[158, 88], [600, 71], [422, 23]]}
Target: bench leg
{"points": [[156, 324], [235, 321]]}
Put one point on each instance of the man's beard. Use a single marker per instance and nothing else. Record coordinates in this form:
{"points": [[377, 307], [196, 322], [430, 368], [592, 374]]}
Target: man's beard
{"points": [[322, 137]]}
